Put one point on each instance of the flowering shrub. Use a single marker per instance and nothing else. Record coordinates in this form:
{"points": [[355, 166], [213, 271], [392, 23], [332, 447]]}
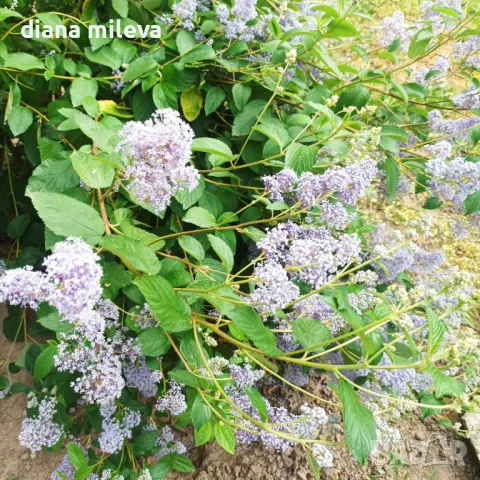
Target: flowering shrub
{"points": [[187, 220]]}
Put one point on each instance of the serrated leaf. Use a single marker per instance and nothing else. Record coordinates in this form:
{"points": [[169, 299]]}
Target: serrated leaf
{"points": [[310, 332], [192, 246], [76, 456], [241, 95], [171, 312], [446, 386], [360, 428], [215, 97], [45, 364], [94, 173], [139, 67], [257, 401], [225, 437], [68, 217], [201, 412], [136, 253], [251, 324], [436, 331], [223, 251], [301, 158], [81, 88], [472, 203], [154, 342], [200, 217], [19, 120], [212, 145]]}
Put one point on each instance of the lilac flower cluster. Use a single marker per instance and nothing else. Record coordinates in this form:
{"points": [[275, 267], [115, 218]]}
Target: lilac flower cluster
{"points": [[454, 180], [314, 307], [185, 10], [432, 14], [457, 128], [469, 49], [116, 429], [174, 401], [468, 100], [40, 430], [168, 443], [397, 380], [141, 377], [246, 375], [95, 360], [395, 27], [348, 183], [158, 151]]}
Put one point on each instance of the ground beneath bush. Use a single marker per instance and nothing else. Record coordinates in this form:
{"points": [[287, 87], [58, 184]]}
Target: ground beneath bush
{"points": [[427, 451]]}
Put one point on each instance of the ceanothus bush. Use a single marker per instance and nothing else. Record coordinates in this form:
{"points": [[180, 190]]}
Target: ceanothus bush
{"points": [[188, 224]]}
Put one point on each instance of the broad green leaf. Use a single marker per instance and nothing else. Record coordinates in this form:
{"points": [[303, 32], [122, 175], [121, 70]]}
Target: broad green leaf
{"points": [[121, 7], [139, 67], [225, 437], [54, 322], [82, 87], [301, 158], [257, 401], [171, 312], [341, 28], [275, 131], [19, 120], [44, 364], [446, 386], [310, 332], [23, 61], [215, 97], [76, 456], [360, 428], [187, 199], [251, 324], [164, 96], [105, 56], [357, 96], [201, 412], [420, 42], [244, 121], [436, 331], [199, 54], [185, 41], [7, 13], [192, 246], [241, 95], [203, 435], [145, 443], [18, 225], [393, 177], [68, 217], [191, 101], [223, 251], [134, 252], [94, 173], [200, 217], [178, 462], [472, 203], [212, 145], [154, 342]]}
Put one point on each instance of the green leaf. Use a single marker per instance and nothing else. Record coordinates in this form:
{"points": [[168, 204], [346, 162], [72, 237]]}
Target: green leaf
{"points": [[83, 473], [18, 225], [243, 123], [81, 88], [212, 145], [154, 342], [192, 246], [251, 324], [225, 437], [241, 95], [341, 28], [94, 173], [121, 7], [178, 462], [19, 120], [432, 203], [223, 251], [275, 131], [310, 332], [53, 175], [7, 13], [134, 252], [201, 412], [203, 435], [420, 42], [393, 177], [360, 429], [171, 312], [164, 96], [105, 56], [301, 158], [145, 443], [68, 217], [185, 42], [357, 96], [475, 135], [215, 97], [200, 217], [436, 331], [159, 471], [191, 101], [446, 386], [200, 53], [23, 61], [472, 203], [44, 364], [187, 199], [54, 322], [76, 456], [257, 401], [139, 67]]}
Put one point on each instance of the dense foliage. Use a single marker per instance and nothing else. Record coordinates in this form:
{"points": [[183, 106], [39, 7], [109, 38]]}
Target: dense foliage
{"points": [[185, 227]]}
